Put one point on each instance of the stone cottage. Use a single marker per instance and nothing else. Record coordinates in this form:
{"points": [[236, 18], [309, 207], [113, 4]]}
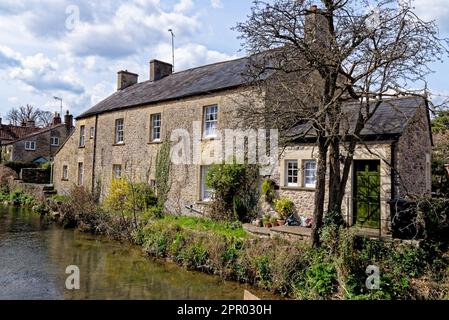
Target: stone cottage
{"points": [[40, 145], [121, 136]]}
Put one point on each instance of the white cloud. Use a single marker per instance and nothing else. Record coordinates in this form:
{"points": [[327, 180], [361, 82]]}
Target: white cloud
{"points": [[191, 55], [184, 5], [40, 57], [41, 74], [216, 4], [433, 10]]}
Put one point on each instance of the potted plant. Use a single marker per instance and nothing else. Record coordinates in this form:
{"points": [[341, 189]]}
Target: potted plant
{"points": [[274, 221], [285, 208], [266, 221]]}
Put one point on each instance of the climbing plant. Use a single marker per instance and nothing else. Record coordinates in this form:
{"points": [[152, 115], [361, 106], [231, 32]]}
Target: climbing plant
{"points": [[235, 191], [163, 172]]}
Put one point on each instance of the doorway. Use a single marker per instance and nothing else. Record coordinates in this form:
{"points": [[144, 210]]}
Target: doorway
{"points": [[367, 193]]}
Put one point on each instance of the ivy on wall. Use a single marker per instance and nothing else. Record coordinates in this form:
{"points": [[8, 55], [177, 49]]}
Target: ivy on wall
{"points": [[163, 172]]}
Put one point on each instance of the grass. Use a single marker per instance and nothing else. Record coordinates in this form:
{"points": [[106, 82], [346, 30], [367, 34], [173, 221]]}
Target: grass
{"points": [[206, 225]]}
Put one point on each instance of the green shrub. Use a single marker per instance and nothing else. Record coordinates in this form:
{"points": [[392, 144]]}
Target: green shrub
{"points": [[285, 207], [268, 190], [235, 191], [321, 278], [263, 271], [17, 166], [194, 256]]}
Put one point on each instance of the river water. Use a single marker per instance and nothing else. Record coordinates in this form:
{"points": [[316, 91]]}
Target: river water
{"points": [[34, 257]]}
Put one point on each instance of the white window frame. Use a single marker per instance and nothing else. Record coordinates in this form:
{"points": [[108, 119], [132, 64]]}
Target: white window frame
{"points": [[206, 194], [120, 131], [80, 173], [156, 122], [54, 141], [289, 173], [117, 171], [309, 174], [65, 172], [210, 121], [92, 132], [82, 136], [30, 145]]}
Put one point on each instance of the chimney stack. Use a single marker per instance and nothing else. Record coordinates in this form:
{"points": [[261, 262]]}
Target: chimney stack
{"points": [[56, 119], [316, 28], [159, 70], [30, 123], [68, 121], [126, 79]]}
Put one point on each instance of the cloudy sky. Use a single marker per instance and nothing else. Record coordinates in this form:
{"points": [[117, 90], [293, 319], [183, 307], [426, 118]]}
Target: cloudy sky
{"points": [[46, 51]]}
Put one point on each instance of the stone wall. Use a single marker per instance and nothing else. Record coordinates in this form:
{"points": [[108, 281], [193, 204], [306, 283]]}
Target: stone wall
{"points": [[137, 155], [34, 175], [414, 161]]}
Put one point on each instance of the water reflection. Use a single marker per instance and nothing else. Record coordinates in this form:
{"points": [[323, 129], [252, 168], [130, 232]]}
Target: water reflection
{"points": [[34, 256]]}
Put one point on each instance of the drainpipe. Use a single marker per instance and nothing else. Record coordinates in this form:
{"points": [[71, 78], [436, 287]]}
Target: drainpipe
{"points": [[94, 155]]}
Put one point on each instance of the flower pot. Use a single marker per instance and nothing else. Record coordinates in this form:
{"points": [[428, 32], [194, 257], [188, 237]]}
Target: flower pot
{"points": [[267, 225], [274, 223], [281, 222]]}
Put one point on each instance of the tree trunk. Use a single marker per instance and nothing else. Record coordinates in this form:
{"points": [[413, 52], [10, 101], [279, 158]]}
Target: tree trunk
{"points": [[334, 176], [320, 192]]}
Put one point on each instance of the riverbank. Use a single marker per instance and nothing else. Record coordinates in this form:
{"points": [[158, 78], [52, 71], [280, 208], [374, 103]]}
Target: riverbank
{"points": [[34, 255], [336, 270]]}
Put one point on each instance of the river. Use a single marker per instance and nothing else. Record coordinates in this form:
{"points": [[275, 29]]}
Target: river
{"points": [[34, 257]]}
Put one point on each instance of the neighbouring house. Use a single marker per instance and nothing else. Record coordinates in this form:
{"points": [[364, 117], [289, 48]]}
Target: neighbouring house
{"points": [[121, 136], [9, 132], [39, 145]]}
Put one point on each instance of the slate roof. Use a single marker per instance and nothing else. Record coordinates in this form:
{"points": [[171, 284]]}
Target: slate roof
{"points": [[36, 133], [196, 81], [390, 119], [10, 132]]}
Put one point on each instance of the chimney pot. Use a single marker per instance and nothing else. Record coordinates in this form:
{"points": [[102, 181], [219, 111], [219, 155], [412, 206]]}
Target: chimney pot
{"points": [[159, 70], [126, 79], [56, 119]]}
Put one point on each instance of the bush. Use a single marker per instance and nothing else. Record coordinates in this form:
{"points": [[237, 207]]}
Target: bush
{"points": [[235, 191], [17, 166], [128, 198], [285, 207], [268, 190], [435, 214]]}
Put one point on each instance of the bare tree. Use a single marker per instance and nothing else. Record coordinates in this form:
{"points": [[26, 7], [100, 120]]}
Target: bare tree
{"points": [[20, 115], [45, 118], [314, 60]]}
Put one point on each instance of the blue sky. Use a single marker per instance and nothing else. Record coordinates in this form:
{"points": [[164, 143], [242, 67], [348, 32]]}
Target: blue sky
{"points": [[45, 51]]}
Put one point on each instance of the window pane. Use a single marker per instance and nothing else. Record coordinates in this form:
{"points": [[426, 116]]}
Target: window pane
{"points": [[155, 127], [210, 121], [82, 129], [119, 131], [292, 173], [310, 174], [206, 193]]}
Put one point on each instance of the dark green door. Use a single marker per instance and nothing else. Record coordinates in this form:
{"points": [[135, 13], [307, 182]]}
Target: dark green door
{"points": [[367, 194]]}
